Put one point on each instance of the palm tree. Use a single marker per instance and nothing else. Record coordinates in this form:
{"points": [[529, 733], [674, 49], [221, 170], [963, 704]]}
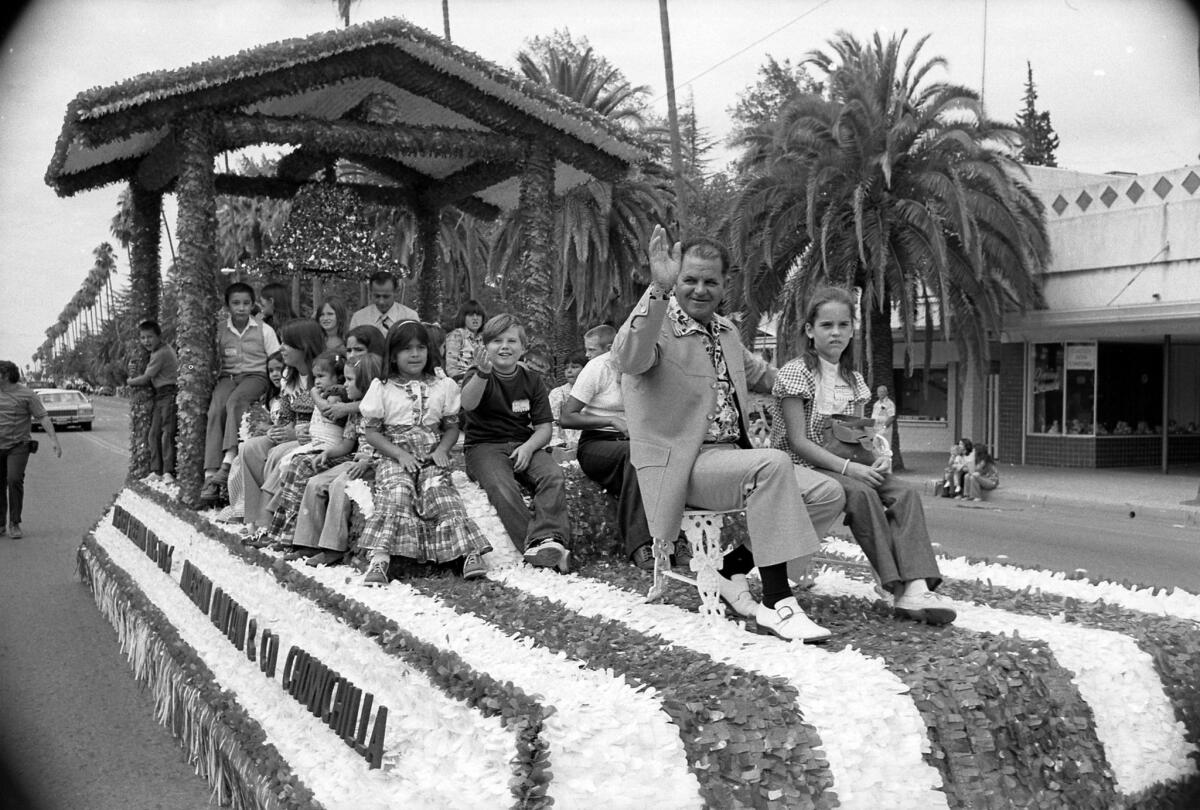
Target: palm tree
{"points": [[600, 228], [900, 188]]}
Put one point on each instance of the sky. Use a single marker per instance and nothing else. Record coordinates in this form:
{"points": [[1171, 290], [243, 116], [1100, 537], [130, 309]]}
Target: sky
{"points": [[1120, 79]]}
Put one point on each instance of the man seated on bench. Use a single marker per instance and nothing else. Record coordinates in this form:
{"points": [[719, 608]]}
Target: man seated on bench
{"points": [[685, 385]]}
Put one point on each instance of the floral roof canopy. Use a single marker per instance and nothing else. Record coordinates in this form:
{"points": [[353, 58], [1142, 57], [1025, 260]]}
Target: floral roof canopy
{"points": [[442, 125]]}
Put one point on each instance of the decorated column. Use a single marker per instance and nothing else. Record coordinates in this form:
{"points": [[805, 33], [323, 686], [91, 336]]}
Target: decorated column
{"points": [[144, 291], [533, 301], [198, 297], [429, 284]]}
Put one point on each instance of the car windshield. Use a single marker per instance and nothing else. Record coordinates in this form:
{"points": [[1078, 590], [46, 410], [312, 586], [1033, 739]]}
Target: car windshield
{"points": [[73, 397]]}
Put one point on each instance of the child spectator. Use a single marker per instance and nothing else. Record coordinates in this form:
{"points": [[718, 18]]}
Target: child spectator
{"points": [[161, 375], [464, 340], [411, 420], [364, 340], [962, 458], [332, 317], [565, 437], [243, 345], [983, 475], [275, 306], [323, 514], [508, 420]]}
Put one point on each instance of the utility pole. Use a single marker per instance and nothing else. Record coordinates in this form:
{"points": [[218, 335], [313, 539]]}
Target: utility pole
{"points": [[673, 118], [446, 18]]}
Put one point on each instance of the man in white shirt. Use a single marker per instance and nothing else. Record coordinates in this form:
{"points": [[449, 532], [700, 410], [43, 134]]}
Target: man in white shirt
{"points": [[384, 310], [883, 413]]}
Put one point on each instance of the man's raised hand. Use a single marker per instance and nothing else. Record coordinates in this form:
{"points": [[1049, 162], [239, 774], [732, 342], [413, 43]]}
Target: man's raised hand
{"points": [[664, 259]]}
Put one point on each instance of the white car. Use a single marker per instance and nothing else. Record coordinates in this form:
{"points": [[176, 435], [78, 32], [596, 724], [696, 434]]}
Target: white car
{"points": [[66, 408]]}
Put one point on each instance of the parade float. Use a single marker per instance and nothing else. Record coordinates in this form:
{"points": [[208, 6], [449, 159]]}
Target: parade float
{"points": [[296, 687]]}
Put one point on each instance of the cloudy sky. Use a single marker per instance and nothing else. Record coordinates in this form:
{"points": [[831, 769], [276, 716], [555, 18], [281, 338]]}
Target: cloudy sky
{"points": [[1119, 78]]}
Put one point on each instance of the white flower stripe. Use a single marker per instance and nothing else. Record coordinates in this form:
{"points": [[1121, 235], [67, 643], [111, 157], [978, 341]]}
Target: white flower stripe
{"points": [[1178, 602], [600, 719], [425, 727], [1134, 718]]}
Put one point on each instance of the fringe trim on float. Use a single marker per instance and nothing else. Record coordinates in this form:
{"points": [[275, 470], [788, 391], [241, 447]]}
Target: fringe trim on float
{"points": [[224, 745]]}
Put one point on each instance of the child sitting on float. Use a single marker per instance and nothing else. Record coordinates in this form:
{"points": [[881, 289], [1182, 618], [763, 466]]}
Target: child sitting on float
{"points": [[411, 420]]}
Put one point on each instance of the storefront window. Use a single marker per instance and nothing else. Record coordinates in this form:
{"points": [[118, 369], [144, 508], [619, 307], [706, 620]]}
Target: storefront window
{"points": [[1047, 388], [1081, 389], [1183, 410], [1130, 389], [915, 399]]}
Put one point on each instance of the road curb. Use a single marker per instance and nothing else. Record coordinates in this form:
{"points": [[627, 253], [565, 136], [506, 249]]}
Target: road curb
{"points": [[1184, 514]]}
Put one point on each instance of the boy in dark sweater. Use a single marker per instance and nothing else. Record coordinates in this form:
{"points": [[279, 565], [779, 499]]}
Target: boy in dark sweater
{"points": [[507, 422]]}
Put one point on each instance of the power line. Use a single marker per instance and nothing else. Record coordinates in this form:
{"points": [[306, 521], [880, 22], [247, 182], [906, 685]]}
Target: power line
{"points": [[736, 54]]}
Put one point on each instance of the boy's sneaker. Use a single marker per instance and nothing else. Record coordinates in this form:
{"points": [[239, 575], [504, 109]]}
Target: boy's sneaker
{"points": [[14, 531], [377, 574], [929, 607], [683, 552], [547, 553], [211, 491], [153, 478], [473, 567], [167, 478]]}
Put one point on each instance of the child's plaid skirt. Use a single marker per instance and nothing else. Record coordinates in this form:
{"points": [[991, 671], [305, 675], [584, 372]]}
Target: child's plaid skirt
{"points": [[294, 474], [419, 515]]}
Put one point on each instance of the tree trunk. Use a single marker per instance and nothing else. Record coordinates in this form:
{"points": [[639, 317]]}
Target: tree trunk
{"points": [[144, 291], [198, 296], [881, 366], [533, 299], [429, 282]]}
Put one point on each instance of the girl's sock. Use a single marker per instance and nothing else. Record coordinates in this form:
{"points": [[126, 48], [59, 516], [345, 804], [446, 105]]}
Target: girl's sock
{"points": [[915, 587], [738, 561], [775, 584]]}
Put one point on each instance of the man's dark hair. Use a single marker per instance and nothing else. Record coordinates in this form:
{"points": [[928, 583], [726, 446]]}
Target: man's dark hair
{"points": [[384, 277], [9, 371], [238, 287], [150, 325], [706, 248]]}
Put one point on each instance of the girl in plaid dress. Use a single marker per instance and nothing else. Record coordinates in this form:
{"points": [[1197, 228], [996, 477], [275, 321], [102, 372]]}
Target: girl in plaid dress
{"points": [[884, 515], [411, 420]]}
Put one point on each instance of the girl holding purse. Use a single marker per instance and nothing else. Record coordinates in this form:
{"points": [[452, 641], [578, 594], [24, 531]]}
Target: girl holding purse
{"points": [[884, 515]]}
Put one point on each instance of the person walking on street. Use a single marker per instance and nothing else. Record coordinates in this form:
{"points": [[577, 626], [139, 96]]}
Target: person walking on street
{"points": [[19, 406]]}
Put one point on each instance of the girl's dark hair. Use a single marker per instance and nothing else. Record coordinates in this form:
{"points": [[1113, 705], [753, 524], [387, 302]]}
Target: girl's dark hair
{"points": [[469, 307], [9, 371], [339, 311], [577, 358], [437, 341], [282, 300], [335, 361], [238, 287], [967, 444], [983, 455], [272, 390], [369, 367], [402, 334], [821, 297], [369, 336], [308, 337]]}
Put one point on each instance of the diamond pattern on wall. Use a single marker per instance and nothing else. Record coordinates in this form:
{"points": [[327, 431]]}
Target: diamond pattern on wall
{"points": [[1163, 187], [1059, 205], [1135, 191], [1191, 182], [1084, 200], [1108, 196]]}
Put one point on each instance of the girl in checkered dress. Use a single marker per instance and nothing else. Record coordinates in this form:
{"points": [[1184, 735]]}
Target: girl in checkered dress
{"points": [[884, 515], [411, 419]]}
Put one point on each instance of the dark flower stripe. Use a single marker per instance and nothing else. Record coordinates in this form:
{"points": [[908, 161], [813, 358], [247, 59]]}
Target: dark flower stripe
{"points": [[517, 711], [227, 746], [1006, 725], [745, 738]]}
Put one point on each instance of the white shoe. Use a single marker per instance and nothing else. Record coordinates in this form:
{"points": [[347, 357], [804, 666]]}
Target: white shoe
{"points": [[152, 478], [736, 593], [168, 479], [789, 622], [929, 607]]}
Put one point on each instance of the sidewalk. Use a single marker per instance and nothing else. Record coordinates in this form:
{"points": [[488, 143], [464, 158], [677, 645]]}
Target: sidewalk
{"points": [[1144, 490]]}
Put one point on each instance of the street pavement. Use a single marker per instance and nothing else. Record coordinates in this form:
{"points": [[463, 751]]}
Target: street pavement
{"points": [[76, 731]]}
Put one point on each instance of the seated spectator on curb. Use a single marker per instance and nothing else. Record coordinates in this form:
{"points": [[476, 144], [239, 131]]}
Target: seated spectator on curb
{"points": [[962, 458], [562, 437], [686, 377], [162, 375], [506, 411], [983, 477], [243, 345], [595, 408], [384, 310], [885, 515]]}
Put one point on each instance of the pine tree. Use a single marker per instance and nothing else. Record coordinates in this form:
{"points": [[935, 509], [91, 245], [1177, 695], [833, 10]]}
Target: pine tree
{"points": [[1035, 127]]}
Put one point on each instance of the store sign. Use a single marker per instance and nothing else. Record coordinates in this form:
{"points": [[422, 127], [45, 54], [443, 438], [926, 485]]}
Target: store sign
{"points": [[1081, 356]]}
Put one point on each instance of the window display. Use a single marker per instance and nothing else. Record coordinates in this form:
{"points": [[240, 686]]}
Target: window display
{"points": [[1047, 388]]}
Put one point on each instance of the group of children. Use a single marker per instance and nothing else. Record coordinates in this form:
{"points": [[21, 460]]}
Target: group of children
{"points": [[970, 472]]}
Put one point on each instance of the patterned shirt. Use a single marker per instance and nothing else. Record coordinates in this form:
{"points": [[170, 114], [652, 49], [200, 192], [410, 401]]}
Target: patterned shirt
{"points": [[796, 379], [725, 426]]}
